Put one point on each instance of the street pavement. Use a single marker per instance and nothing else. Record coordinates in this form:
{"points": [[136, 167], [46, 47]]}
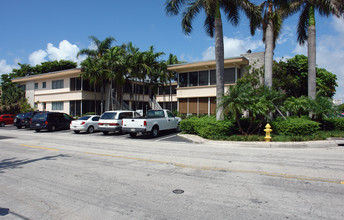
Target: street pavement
{"points": [[62, 175]]}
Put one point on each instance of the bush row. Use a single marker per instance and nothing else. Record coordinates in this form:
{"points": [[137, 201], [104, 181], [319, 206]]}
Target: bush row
{"points": [[207, 127]]}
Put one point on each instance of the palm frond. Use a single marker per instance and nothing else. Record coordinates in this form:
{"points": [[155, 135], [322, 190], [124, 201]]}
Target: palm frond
{"points": [[189, 14], [302, 27], [209, 25], [172, 7]]}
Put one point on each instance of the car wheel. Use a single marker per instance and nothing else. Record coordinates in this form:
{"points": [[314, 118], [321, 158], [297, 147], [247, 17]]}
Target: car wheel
{"points": [[19, 127], [105, 132], [154, 132], [76, 132], [53, 128], [90, 129], [132, 135], [37, 130], [2, 124]]}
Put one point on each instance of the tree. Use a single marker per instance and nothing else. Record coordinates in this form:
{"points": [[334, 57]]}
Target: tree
{"points": [[274, 11], [171, 75], [306, 30], [291, 77], [213, 24], [101, 47]]}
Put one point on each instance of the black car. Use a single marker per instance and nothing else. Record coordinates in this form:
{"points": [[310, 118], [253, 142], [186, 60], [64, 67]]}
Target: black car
{"points": [[50, 121], [19, 120], [23, 119]]}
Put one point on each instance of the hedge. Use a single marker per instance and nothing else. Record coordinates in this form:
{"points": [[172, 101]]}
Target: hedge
{"points": [[295, 126], [331, 124], [207, 127]]}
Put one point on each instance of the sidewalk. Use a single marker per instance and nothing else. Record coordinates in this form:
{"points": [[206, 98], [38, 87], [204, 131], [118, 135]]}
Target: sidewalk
{"points": [[332, 142]]}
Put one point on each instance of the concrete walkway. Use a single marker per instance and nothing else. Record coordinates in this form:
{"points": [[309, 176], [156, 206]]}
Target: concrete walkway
{"points": [[331, 142]]}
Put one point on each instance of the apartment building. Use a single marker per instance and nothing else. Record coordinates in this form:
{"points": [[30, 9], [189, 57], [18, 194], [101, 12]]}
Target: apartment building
{"points": [[194, 92]]}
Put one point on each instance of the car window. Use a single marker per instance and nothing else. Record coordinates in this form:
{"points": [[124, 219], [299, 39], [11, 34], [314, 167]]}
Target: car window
{"points": [[84, 118], [109, 115], [40, 116], [6, 117], [125, 115], [136, 115], [155, 114], [95, 118], [169, 114]]}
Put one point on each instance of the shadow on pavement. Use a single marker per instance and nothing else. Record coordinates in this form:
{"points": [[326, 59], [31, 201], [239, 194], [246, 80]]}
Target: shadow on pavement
{"points": [[13, 163]]}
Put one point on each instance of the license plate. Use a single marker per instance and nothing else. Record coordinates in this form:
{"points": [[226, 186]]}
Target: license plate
{"points": [[132, 129], [37, 124], [106, 124]]}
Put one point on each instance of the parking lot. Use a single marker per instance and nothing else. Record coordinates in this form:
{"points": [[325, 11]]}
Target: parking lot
{"points": [[171, 136]]}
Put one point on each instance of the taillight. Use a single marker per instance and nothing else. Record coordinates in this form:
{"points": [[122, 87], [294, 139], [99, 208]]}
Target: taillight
{"points": [[100, 123], [82, 123], [30, 121], [122, 123], [144, 123], [46, 122], [114, 124]]}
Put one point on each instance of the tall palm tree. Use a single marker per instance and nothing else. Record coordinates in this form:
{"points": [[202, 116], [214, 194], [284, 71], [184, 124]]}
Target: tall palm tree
{"points": [[213, 23], [115, 66], [306, 30], [98, 52], [171, 75], [273, 13], [90, 69]]}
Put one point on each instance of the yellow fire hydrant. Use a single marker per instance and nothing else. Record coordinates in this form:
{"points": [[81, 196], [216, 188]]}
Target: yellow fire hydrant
{"points": [[267, 130]]}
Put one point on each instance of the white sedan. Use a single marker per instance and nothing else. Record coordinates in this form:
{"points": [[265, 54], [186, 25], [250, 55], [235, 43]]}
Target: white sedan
{"points": [[87, 123]]}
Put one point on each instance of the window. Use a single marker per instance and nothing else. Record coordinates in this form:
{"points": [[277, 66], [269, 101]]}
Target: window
{"points": [[57, 106], [125, 115], [35, 105], [203, 78], [95, 118], [169, 114], [193, 79], [44, 85], [229, 75], [57, 84], [36, 85], [183, 79], [213, 77], [75, 84]]}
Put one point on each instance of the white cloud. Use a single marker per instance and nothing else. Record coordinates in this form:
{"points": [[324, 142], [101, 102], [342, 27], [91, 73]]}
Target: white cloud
{"points": [[301, 49], [37, 57], [233, 47], [6, 68], [65, 51]]}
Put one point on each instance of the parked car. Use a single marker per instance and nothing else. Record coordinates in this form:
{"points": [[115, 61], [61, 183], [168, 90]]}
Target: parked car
{"points": [[19, 120], [111, 121], [6, 119], [87, 123], [50, 121], [342, 115], [154, 122]]}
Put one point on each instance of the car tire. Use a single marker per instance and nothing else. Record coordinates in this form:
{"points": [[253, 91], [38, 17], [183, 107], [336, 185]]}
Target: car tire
{"points": [[105, 132], [154, 132], [76, 132], [37, 130], [19, 127], [2, 124], [178, 128], [132, 134], [53, 128], [90, 130]]}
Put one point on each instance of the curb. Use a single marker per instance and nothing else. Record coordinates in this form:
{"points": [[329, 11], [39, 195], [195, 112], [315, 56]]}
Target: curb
{"points": [[255, 144]]}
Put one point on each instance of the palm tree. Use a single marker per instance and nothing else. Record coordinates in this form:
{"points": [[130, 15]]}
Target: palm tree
{"points": [[306, 30], [171, 75], [273, 13], [101, 47], [90, 69], [115, 66], [213, 23]]}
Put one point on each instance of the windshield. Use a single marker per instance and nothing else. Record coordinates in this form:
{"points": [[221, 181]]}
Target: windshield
{"points": [[28, 114], [84, 118], [109, 115], [21, 116], [40, 116]]}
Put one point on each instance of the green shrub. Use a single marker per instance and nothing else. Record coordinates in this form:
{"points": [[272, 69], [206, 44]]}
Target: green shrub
{"points": [[330, 124], [295, 126], [207, 127]]}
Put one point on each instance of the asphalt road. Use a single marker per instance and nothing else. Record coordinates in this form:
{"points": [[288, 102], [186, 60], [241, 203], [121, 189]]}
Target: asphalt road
{"points": [[62, 175]]}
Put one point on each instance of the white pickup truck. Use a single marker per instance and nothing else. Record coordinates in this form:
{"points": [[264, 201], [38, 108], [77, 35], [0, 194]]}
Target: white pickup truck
{"points": [[155, 121]]}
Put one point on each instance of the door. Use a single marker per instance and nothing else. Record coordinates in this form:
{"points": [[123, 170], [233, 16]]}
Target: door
{"points": [[171, 121]]}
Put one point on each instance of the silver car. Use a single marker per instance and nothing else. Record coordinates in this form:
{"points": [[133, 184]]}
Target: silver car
{"points": [[87, 123]]}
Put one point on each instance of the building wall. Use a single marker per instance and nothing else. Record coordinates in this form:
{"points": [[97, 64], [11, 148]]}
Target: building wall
{"points": [[30, 93]]}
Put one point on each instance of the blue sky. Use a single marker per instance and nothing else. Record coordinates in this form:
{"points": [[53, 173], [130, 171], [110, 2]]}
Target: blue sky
{"points": [[40, 30]]}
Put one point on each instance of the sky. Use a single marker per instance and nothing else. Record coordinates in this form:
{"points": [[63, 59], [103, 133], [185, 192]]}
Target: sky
{"points": [[36, 31]]}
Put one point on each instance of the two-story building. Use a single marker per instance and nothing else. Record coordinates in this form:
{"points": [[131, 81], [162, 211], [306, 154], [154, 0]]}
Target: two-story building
{"points": [[194, 92]]}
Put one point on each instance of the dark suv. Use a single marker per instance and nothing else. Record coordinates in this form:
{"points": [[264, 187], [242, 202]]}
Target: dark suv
{"points": [[23, 119], [50, 121]]}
